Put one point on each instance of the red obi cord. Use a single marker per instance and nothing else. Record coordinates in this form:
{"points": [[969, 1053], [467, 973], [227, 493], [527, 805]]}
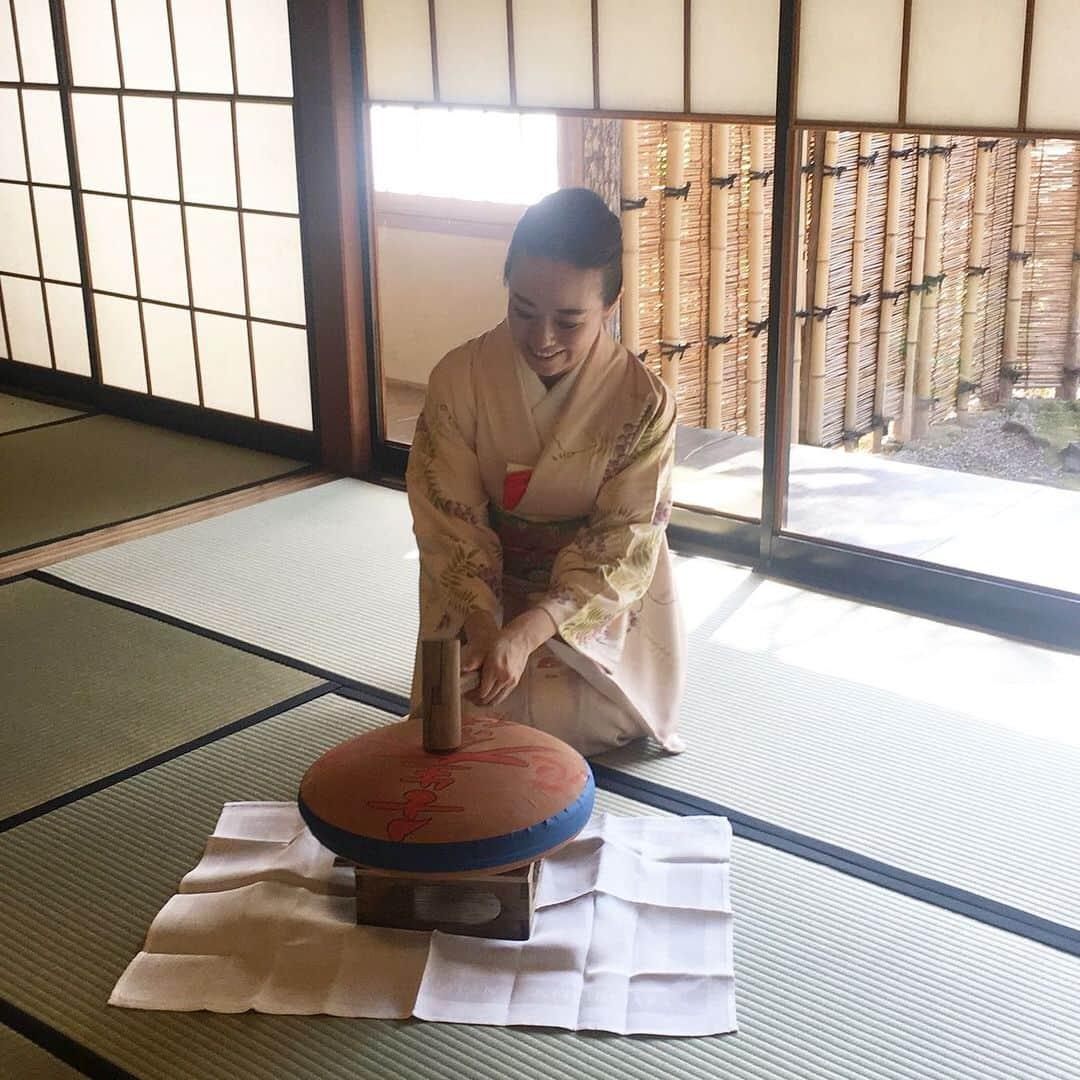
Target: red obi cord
{"points": [[514, 486]]}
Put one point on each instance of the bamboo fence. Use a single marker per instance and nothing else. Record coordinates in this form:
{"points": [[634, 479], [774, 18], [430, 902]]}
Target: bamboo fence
{"points": [[910, 307]]}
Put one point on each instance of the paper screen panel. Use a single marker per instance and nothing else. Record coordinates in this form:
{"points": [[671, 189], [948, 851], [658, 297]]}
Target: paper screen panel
{"points": [[67, 319], [108, 238], [282, 375], [849, 59], [56, 234], [159, 241], [261, 41], [92, 43], [553, 53], [34, 23], [641, 54], [966, 57], [201, 30], [214, 250], [45, 137], [275, 269], [225, 363], [120, 342], [12, 157], [267, 157], [28, 337], [206, 152], [171, 352], [1054, 91], [145, 47], [733, 47], [18, 254], [9, 61], [397, 50], [151, 143], [98, 143], [472, 48]]}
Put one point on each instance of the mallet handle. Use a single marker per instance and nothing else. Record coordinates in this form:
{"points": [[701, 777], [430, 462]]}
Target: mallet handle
{"points": [[440, 673]]}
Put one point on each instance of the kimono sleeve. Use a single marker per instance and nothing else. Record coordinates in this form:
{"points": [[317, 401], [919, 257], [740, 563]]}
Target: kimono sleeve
{"points": [[611, 562], [460, 555]]}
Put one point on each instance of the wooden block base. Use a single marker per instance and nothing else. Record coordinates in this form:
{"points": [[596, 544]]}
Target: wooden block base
{"points": [[488, 906]]}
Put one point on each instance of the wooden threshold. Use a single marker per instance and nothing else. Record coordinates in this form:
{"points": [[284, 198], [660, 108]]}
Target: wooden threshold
{"points": [[48, 554]]}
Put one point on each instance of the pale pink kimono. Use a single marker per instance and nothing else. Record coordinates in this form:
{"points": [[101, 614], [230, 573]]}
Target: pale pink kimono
{"points": [[585, 542]]}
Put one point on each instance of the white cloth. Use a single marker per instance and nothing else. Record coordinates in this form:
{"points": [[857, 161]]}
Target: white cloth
{"points": [[633, 934]]}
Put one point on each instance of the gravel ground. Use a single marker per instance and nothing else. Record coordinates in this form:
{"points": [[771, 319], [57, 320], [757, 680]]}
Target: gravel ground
{"points": [[981, 445]]}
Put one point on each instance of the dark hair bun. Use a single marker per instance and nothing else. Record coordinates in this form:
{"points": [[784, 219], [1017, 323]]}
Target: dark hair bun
{"points": [[575, 226]]}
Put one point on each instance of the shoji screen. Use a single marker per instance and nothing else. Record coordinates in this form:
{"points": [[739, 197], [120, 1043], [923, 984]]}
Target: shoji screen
{"points": [[183, 131], [42, 316]]}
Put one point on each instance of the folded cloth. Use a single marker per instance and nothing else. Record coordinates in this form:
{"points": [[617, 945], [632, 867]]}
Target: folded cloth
{"points": [[632, 934]]}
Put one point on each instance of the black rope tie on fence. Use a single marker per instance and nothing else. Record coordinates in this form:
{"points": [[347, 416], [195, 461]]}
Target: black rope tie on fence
{"points": [[719, 339], [966, 386], [892, 294], [936, 151], [808, 168], [858, 299], [756, 328], [905, 153], [834, 170], [918, 287], [933, 281], [823, 312], [1024, 142], [634, 204], [852, 435], [802, 313], [763, 174], [867, 161], [678, 192], [977, 271], [987, 144], [1010, 372], [1076, 256], [670, 349], [1019, 256], [723, 181]]}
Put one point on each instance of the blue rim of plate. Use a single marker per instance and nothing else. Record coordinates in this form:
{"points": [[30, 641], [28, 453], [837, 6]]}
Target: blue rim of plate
{"points": [[520, 846]]}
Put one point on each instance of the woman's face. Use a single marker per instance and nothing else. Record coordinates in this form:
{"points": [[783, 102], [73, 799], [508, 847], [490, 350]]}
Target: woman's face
{"points": [[555, 312]]}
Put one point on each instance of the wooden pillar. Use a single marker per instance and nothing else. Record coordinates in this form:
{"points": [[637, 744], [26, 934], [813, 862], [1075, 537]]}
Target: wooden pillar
{"points": [[975, 272], [718, 256], [755, 287], [815, 387], [330, 162], [630, 310], [671, 299], [1071, 374], [888, 286], [1018, 256], [855, 305], [915, 286], [800, 291]]}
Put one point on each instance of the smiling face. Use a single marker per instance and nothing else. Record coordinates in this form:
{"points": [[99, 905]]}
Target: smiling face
{"points": [[555, 314]]}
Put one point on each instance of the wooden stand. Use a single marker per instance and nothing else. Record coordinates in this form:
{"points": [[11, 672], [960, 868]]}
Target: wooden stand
{"points": [[487, 905]]}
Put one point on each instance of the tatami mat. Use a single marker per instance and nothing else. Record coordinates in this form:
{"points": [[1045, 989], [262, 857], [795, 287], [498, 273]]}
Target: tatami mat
{"points": [[836, 979], [20, 1059], [954, 758], [88, 689], [17, 413], [66, 478]]}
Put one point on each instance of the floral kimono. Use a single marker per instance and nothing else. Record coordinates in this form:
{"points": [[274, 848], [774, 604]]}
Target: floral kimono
{"points": [[523, 496]]}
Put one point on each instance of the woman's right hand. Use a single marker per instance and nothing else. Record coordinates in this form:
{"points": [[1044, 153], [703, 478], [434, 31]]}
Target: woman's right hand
{"points": [[481, 630]]}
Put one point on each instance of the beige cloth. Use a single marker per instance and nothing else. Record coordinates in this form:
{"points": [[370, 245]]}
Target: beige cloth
{"points": [[586, 541]]}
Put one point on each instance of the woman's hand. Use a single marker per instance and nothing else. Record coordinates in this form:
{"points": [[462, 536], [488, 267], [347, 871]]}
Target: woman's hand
{"points": [[501, 655]]}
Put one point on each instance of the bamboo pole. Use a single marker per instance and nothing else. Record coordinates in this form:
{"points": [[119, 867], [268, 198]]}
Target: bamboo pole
{"points": [[918, 272], [927, 340], [1010, 354], [671, 316], [888, 286], [630, 310], [855, 306], [1070, 377], [815, 389], [800, 292], [755, 287], [718, 257], [975, 271]]}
